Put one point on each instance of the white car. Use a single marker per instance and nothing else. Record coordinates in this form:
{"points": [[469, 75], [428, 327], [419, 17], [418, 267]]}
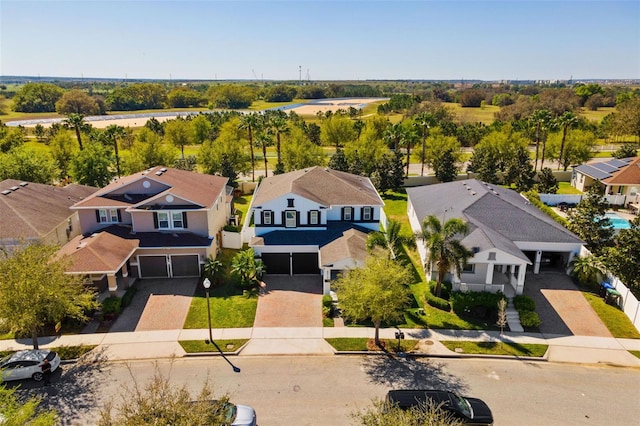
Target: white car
{"points": [[27, 365]]}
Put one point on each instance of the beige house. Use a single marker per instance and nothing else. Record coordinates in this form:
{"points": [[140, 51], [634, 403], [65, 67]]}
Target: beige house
{"points": [[38, 212], [620, 177], [159, 223]]}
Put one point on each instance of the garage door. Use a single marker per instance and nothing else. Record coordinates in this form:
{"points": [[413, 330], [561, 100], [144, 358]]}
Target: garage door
{"points": [[153, 266], [276, 263], [185, 265], [305, 263]]}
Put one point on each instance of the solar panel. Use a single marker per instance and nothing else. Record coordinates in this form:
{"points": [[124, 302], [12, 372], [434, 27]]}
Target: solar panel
{"points": [[593, 172]]}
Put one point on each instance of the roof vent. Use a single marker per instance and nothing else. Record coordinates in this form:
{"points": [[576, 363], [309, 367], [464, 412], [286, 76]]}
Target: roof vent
{"points": [[15, 188], [473, 192], [158, 173], [6, 192], [164, 169], [127, 197], [24, 183]]}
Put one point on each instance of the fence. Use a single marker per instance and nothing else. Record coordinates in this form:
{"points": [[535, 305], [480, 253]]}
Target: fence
{"points": [[555, 199], [628, 302]]}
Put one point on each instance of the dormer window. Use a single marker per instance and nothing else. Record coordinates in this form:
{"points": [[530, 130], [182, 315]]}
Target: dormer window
{"points": [[267, 217], [290, 202]]}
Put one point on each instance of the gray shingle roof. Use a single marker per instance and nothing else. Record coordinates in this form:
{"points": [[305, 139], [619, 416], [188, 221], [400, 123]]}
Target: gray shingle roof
{"points": [[503, 215]]}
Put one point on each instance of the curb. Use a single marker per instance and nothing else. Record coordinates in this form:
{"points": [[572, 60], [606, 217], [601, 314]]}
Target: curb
{"points": [[452, 356]]}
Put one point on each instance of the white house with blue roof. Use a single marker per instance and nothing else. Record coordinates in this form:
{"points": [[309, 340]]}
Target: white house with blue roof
{"points": [[313, 221], [507, 234]]}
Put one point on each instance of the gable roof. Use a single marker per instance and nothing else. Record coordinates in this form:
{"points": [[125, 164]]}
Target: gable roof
{"points": [[502, 216], [97, 253], [624, 171], [352, 245], [198, 188], [32, 210], [324, 186]]}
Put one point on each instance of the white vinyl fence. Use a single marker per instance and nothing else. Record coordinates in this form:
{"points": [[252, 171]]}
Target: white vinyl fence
{"points": [[555, 199]]}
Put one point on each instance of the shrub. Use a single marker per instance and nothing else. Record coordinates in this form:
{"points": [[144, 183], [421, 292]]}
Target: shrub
{"points": [[534, 198], [128, 296], [529, 319], [445, 290], [112, 305], [437, 302], [476, 304], [524, 303], [327, 301], [230, 228]]}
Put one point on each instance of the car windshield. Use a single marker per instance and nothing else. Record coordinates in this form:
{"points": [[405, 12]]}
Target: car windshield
{"points": [[462, 405]]}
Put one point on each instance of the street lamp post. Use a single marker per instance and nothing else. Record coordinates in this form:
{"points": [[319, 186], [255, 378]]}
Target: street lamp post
{"points": [[207, 284]]}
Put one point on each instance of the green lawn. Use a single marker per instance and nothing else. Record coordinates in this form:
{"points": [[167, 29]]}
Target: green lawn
{"points": [[230, 308], [566, 188], [497, 348], [635, 353], [616, 321], [364, 344], [65, 352], [242, 205], [262, 105], [197, 346]]}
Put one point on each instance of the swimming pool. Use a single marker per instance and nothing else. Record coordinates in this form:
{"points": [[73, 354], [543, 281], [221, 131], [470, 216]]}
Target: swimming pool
{"points": [[617, 221]]}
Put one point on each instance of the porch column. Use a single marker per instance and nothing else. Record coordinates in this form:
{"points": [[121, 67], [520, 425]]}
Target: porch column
{"points": [[113, 284], [489, 277], [536, 265], [125, 275], [522, 271]]}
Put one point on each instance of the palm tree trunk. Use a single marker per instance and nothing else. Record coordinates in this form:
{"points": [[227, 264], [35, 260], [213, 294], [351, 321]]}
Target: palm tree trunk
{"points": [[264, 155], [278, 146], [253, 158], [115, 146], [564, 137], [424, 148], [535, 166], [34, 336], [79, 138], [408, 158]]}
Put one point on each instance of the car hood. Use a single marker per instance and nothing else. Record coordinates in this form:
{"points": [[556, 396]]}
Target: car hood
{"points": [[481, 411], [244, 416]]}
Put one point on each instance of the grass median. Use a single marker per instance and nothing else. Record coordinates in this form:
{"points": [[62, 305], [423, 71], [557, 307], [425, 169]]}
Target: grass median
{"points": [[198, 346], [496, 348]]}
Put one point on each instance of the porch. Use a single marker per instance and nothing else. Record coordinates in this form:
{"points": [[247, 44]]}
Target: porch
{"points": [[507, 279]]}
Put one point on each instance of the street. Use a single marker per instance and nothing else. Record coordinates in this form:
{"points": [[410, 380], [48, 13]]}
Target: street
{"points": [[325, 390]]}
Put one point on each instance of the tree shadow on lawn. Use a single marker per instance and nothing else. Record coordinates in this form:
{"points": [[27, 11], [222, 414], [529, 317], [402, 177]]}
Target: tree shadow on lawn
{"points": [[74, 391], [411, 373]]}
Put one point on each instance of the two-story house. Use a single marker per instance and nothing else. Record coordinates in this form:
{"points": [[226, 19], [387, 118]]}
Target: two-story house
{"points": [[158, 223], [38, 212], [313, 221]]}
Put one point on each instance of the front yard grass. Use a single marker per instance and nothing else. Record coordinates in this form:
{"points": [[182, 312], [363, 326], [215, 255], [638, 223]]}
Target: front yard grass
{"points": [[366, 344], [566, 188], [613, 318], [197, 346], [496, 348], [230, 306]]}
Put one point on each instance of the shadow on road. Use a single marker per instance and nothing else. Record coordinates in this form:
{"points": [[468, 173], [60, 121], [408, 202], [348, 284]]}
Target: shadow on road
{"points": [[411, 373]]}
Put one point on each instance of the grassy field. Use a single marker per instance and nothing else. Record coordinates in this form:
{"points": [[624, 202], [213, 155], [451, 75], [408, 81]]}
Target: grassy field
{"points": [[262, 105], [497, 348], [615, 319], [598, 115], [485, 114]]}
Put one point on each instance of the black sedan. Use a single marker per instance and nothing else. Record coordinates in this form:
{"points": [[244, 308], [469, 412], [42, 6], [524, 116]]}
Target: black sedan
{"points": [[470, 410]]}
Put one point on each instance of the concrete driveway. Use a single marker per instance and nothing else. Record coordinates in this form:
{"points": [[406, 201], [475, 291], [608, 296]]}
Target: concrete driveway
{"points": [[562, 308], [159, 304], [290, 301]]}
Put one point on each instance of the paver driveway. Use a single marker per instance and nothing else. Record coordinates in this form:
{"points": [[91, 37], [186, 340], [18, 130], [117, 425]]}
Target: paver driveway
{"points": [[562, 307], [159, 304], [290, 301]]}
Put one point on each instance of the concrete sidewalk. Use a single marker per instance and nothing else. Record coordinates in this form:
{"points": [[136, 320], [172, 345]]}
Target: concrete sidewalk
{"points": [[310, 341]]}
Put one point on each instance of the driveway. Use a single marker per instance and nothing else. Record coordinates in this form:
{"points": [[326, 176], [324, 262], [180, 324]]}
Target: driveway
{"points": [[562, 308], [159, 304], [290, 301]]}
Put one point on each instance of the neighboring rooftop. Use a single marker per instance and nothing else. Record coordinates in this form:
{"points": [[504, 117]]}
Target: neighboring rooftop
{"points": [[625, 171], [32, 210]]}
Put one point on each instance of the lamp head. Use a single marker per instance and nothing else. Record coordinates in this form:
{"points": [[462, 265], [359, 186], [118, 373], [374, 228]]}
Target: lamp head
{"points": [[206, 283]]}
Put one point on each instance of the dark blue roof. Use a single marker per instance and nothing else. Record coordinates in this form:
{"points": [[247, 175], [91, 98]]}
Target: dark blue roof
{"points": [[160, 239], [310, 238]]}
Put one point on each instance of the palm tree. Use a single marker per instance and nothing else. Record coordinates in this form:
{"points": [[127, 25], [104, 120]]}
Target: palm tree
{"points": [[251, 123], [541, 118], [408, 139], [264, 140], [278, 125], [393, 135], [76, 122], [424, 122], [245, 265], [444, 250], [566, 120], [589, 270], [389, 239], [113, 132]]}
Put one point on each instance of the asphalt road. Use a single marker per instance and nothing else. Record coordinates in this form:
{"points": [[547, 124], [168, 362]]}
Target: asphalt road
{"points": [[325, 390]]}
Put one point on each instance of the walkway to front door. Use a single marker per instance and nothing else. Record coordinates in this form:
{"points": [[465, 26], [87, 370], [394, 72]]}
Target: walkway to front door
{"points": [[290, 301]]}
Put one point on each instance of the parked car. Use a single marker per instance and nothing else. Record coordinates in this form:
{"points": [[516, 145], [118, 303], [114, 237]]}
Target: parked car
{"points": [[470, 410], [27, 364], [236, 414]]}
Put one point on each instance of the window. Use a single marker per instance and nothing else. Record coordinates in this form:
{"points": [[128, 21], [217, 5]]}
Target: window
{"points": [[469, 268], [367, 213], [290, 219], [163, 220], [347, 213], [176, 217], [314, 217], [108, 216], [289, 202], [267, 217], [492, 255]]}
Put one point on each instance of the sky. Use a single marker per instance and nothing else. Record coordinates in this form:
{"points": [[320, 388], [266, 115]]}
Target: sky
{"points": [[321, 40]]}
